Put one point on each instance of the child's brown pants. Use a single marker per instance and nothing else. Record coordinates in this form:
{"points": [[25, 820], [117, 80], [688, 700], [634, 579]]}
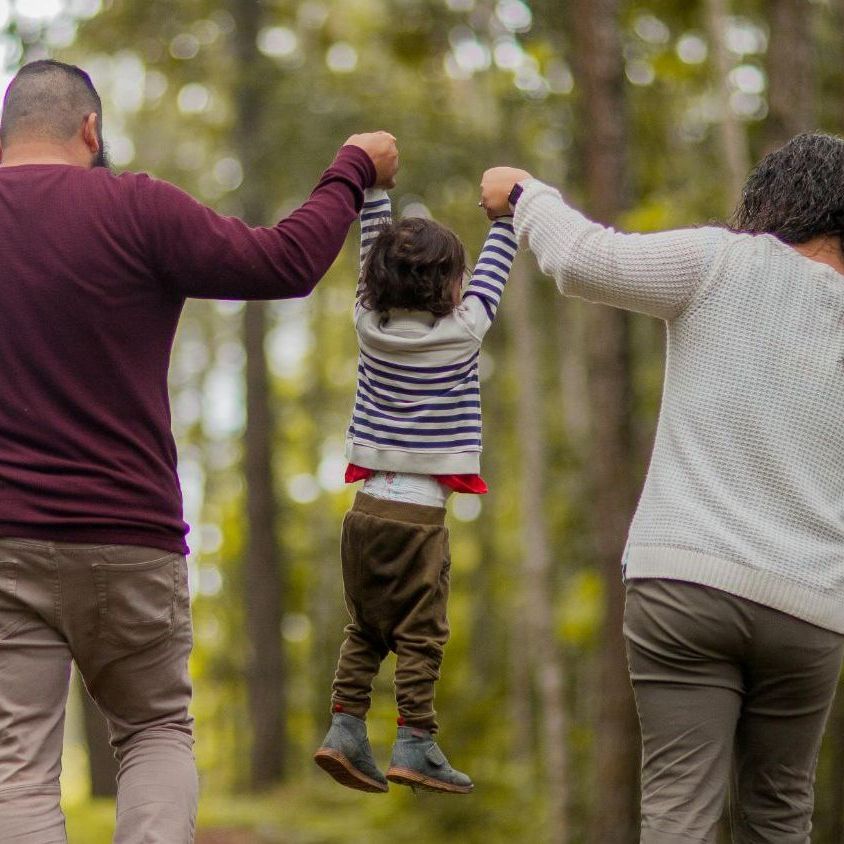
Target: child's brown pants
{"points": [[395, 576]]}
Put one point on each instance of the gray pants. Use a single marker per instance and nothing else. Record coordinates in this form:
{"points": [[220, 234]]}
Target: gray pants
{"points": [[122, 613], [726, 690]]}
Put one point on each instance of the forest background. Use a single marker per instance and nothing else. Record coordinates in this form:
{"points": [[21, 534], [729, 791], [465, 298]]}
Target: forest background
{"points": [[648, 113]]}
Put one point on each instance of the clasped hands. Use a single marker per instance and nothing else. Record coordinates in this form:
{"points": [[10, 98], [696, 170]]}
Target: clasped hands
{"points": [[496, 184]]}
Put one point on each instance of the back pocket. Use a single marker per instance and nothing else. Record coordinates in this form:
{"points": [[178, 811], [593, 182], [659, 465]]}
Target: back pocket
{"points": [[137, 600]]}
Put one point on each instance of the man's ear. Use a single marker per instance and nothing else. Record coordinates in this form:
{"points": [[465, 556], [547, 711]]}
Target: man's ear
{"points": [[90, 135]]}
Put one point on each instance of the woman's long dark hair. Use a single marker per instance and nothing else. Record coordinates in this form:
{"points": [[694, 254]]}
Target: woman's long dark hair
{"points": [[796, 192]]}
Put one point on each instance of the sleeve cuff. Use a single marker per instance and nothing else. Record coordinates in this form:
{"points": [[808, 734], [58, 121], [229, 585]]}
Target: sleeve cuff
{"points": [[371, 195], [361, 162], [531, 187]]}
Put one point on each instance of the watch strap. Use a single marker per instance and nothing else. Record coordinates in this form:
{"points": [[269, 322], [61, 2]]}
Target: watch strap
{"points": [[513, 198]]}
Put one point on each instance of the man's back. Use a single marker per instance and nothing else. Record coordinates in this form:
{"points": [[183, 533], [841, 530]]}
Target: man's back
{"points": [[86, 326], [96, 268]]}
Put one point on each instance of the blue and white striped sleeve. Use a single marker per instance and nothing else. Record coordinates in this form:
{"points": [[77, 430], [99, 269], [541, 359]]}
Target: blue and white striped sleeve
{"points": [[375, 214], [493, 266]]}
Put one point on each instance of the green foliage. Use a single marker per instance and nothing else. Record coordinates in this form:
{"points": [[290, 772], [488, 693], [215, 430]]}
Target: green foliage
{"points": [[462, 92]]}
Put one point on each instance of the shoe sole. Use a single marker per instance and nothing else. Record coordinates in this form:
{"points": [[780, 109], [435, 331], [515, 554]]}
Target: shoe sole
{"points": [[404, 776], [336, 765]]}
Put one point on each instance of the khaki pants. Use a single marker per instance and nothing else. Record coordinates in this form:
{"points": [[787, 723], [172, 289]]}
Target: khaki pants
{"points": [[122, 613], [396, 577], [726, 688]]}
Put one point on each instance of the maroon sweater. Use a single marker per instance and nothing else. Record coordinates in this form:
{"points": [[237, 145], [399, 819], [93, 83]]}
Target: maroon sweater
{"points": [[94, 271]]}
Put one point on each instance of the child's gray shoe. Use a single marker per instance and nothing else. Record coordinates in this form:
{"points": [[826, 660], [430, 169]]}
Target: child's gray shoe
{"points": [[346, 755], [417, 761]]}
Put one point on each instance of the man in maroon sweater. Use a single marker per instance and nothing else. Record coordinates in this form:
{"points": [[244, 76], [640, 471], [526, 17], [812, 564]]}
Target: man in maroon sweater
{"points": [[94, 271]]}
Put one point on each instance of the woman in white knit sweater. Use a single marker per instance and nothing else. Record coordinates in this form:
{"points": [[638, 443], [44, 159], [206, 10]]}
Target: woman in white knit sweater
{"points": [[735, 557]]}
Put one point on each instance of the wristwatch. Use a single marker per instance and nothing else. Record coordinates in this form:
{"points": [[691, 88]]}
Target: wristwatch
{"points": [[513, 198]]}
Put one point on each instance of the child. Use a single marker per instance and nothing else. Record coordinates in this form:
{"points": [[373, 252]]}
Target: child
{"points": [[414, 437]]}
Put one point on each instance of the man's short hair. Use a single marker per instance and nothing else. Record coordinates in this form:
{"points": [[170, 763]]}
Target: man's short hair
{"points": [[48, 99]]}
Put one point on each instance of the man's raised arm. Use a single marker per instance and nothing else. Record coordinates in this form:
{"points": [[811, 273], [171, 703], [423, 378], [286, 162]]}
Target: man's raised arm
{"points": [[202, 254]]}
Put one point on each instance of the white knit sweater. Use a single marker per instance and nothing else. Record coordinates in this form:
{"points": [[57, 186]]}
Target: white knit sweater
{"points": [[745, 491]]}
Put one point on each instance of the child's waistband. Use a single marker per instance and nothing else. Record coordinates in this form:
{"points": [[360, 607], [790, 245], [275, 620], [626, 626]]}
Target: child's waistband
{"points": [[399, 511]]}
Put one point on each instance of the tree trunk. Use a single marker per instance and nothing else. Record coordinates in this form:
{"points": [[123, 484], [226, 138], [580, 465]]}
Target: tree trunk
{"points": [[617, 751], [537, 580], [600, 80], [264, 584], [326, 608], [791, 79], [732, 136], [519, 697], [573, 373], [263, 573]]}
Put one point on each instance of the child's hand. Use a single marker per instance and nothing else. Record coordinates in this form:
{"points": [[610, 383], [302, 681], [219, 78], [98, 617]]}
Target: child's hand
{"points": [[381, 148], [496, 185]]}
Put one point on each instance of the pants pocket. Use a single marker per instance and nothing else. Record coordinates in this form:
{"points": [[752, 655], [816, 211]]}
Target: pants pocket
{"points": [[137, 600], [12, 614]]}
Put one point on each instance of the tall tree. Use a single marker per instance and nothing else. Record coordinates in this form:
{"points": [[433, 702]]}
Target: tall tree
{"points": [[572, 368], [537, 557], [599, 75], [732, 137], [791, 78], [264, 581], [326, 589]]}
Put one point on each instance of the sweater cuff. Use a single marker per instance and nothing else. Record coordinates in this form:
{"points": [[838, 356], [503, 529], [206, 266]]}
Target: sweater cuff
{"points": [[532, 189], [371, 195], [359, 161]]}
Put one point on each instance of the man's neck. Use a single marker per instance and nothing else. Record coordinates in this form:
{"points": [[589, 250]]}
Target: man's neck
{"points": [[825, 249], [42, 152]]}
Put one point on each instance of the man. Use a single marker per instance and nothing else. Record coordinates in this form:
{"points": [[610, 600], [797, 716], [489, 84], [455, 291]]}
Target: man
{"points": [[95, 271]]}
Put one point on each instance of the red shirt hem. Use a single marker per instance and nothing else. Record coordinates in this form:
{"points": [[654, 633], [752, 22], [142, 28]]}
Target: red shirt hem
{"points": [[472, 484]]}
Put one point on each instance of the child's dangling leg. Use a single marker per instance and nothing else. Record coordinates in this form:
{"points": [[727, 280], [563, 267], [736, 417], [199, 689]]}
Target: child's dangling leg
{"points": [[345, 752], [418, 640]]}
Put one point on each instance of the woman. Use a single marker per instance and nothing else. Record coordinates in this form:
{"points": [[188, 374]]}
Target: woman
{"points": [[735, 557]]}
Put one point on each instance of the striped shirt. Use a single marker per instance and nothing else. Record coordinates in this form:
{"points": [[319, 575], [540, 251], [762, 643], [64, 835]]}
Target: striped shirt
{"points": [[418, 401]]}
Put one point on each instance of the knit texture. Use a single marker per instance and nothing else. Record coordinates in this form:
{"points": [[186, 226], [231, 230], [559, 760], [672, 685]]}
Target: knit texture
{"points": [[745, 491], [418, 402]]}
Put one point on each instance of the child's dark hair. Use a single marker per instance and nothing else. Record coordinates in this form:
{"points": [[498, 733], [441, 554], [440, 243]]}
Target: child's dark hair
{"points": [[413, 264]]}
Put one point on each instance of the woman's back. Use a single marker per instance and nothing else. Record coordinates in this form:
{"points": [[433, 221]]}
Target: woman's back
{"points": [[746, 486], [734, 606]]}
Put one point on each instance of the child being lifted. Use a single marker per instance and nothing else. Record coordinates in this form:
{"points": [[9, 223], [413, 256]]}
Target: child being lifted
{"points": [[414, 438]]}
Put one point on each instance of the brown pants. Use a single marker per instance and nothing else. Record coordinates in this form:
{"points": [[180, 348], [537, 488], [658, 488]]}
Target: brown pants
{"points": [[395, 576], [724, 685], [122, 613]]}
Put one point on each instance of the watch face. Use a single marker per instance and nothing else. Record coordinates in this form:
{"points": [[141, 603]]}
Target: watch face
{"points": [[515, 194]]}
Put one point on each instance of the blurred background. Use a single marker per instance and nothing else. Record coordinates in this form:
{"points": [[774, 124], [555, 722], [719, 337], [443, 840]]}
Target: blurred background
{"points": [[648, 113]]}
